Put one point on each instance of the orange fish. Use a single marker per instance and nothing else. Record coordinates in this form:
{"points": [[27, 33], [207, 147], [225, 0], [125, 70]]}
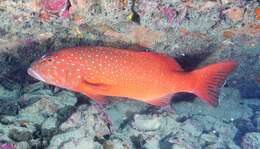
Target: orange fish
{"points": [[153, 78]]}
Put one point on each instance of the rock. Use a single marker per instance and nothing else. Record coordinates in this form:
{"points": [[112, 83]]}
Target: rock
{"points": [[7, 120], [4, 137], [213, 126], [9, 108], [138, 35], [251, 140], [225, 132], [146, 122], [228, 109], [47, 106], [122, 112], [227, 1], [44, 113], [257, 121], [2, 32], [244, 125], [152, 143], [137, 141], [61, 138], [37, 111], [83, 125], [50, 123], [233, 145], [108, 145], [235, 13], [17, 135], [8, 94], [208, 139], [65, 98], [72, 121], [30, 98], [192, 128], [33, 87], [114, 144], [64, 113], [81, 143], [177, 146], [23, 145], [15, 132]]}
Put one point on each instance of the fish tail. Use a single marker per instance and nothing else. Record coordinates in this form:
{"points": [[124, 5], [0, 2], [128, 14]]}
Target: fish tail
{"points": [[210, 79]]}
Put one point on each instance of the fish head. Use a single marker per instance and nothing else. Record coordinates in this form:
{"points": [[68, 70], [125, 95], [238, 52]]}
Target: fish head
{"points": [[50, 69]]}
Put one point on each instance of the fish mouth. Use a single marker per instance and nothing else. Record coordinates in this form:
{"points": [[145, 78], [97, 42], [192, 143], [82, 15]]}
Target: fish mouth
{"points": [[35, 75]]}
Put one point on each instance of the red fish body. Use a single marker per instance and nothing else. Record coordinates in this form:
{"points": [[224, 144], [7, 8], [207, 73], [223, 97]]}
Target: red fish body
{"points": [[146, 76]]}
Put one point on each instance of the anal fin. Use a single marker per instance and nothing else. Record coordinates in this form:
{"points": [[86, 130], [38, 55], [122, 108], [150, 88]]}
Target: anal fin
{"points": [[98, 98], [161, 101]]}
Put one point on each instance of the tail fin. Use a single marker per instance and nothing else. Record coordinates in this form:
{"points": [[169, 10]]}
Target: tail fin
{"points": [[210, 79]]}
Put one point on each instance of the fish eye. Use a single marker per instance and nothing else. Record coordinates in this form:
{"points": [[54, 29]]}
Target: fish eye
{"points": [[49, 59]]}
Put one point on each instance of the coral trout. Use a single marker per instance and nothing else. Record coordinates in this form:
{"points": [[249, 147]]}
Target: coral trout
{"points": [[149, 77]]}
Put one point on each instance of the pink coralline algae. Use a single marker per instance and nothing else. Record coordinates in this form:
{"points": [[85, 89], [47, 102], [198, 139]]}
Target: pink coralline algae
{"points": [[169, 12], [59, 7], [7, 146]]}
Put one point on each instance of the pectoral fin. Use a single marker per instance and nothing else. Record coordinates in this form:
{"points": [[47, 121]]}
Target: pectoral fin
{"points": [[92, 90], [93, 87]]}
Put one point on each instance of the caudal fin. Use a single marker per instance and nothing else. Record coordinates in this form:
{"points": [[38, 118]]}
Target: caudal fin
{"points": [[210, 79]]}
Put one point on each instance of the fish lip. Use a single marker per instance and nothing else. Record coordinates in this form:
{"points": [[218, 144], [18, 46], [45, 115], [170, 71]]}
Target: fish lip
{"points": [[34, 74]]}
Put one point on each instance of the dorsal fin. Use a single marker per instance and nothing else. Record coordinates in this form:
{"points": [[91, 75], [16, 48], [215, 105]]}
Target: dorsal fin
{"points": [[175, 66]]}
